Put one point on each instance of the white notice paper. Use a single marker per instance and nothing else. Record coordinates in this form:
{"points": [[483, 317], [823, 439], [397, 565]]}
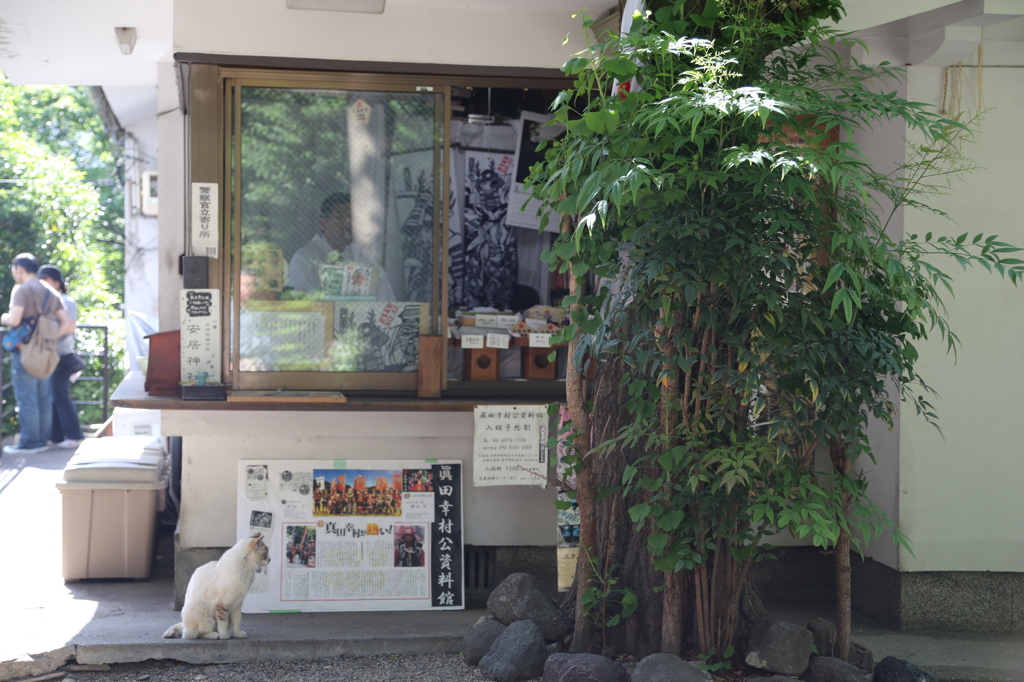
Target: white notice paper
{"points": [[540, 340], [418, 506], [498, 340], [472, 341], [510, 445], [496, 321], [200, 334], [205, 208]]}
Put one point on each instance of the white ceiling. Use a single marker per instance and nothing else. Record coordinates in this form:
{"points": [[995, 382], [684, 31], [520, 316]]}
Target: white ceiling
{"points": [[60, 42], [66, 42]]}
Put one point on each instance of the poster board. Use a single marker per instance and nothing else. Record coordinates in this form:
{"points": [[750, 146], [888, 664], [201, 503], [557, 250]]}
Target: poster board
{"points": [[348, 535]]}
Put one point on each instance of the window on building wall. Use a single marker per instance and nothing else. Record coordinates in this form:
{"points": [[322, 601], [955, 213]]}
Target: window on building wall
{"points": [[367, 211], [337, 233]]}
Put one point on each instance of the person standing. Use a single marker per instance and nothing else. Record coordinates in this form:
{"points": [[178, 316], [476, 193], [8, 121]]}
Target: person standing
{"points": [[30, 298], [65, 429]]}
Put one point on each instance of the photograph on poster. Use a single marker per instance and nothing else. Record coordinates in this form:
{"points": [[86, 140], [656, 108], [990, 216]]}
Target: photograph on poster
{"points": [[418, 481], [357, 492], [300, 548], [409, 541]]}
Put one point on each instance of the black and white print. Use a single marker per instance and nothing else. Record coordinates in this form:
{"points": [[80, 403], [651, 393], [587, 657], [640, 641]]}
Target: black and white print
{"points": [[489, 243]]}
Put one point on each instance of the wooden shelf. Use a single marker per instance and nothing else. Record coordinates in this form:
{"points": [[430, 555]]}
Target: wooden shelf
{"points": [[130, 393]]}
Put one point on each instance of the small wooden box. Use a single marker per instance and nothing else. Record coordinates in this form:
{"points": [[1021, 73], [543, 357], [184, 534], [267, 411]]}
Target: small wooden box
{"points": [[535, 363], [164, 372], [481, 364]]}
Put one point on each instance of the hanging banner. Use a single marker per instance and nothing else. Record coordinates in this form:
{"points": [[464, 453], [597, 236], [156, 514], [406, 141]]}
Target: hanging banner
{"points": [[510, 445], [350, 535], [205, 209], [490, 254]]}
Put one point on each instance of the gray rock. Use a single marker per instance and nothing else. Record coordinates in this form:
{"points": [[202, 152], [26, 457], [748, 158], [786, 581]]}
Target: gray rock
{"points": [[829, 669], [779, 647], [668, 668], [583, 668], [555, 648], [861, 658], [479, 639], [520, 597], [892, 669], [824, 634], [517, 654], [773, 678]]}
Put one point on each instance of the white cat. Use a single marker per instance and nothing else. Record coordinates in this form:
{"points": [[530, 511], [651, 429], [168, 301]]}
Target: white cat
{"points": [[213, 600]]}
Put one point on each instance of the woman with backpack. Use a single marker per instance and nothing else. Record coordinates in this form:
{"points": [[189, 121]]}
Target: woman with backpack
{"points": [[65, 430]]}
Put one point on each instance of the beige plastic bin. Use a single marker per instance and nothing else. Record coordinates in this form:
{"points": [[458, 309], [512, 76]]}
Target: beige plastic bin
{"points": [[113, 487]]}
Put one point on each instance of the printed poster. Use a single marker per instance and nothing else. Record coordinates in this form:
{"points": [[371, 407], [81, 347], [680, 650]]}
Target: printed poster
{"points": [[350, 535], [568, 538], [510, 445], [533, 129]]}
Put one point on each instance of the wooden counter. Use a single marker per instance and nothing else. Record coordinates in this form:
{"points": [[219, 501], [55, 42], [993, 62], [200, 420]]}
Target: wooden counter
{"points": [[459, 398]]}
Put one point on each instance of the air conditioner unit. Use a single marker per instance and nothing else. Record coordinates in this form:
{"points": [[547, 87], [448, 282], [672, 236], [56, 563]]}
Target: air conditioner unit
{"points": [[148, 204]]}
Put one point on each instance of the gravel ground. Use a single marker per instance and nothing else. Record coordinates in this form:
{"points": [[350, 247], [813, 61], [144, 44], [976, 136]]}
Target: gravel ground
{"points": [[430, 668]]}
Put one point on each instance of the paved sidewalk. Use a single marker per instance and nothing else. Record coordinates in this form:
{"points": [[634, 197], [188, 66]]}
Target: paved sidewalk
{"points": [[46, 623]]}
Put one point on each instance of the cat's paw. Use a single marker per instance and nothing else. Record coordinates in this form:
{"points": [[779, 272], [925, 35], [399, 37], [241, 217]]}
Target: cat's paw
{"points": [[240, 634]]}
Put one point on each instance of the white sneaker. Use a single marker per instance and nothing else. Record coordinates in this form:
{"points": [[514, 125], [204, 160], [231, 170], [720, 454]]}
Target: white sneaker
{"points": [[15, 450], [69, 444]]}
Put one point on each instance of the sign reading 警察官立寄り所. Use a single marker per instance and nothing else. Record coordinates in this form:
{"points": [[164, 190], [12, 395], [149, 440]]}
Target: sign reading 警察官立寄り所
{"points": [[350, 535], [510, 445], [205, 227]]}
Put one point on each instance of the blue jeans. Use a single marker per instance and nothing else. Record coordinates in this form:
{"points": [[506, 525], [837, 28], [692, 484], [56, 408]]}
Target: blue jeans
{"points": [[34, 405], [65, 416]]}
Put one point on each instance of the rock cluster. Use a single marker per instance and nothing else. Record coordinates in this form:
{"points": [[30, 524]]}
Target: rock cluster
{"points": [[784, 651], [523, 629], [525, 632]]}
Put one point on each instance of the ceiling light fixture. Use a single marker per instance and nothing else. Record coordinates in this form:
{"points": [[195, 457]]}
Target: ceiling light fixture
{"points": [[125, 38]]}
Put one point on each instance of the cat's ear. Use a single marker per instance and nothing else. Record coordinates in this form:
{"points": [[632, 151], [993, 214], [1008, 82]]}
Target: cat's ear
{"points": [[257, 538]]}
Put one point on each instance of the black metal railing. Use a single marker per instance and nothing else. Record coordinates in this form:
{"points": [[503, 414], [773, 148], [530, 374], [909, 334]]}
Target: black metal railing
{"points": [[93, 343], [92, 373]]}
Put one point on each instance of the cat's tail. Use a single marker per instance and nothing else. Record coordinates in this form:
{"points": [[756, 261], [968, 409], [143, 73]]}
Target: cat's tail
{"points": [[174, 631]]}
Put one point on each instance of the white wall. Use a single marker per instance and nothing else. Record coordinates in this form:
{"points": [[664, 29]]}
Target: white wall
{"points": [[214, 443], [171, 126], [960, 491], [141, 272], [525, 34], [884, 145]]}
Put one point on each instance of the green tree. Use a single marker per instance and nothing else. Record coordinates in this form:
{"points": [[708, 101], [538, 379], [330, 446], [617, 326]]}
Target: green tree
{"points": [[61, 198], [749, 292]]}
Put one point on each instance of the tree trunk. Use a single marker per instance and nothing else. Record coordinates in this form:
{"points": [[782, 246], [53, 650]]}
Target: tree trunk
{"points": [[586, 491], [841, 462]]}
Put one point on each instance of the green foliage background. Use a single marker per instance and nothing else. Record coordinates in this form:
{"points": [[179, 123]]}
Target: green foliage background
{"points": [[62, 199]]}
